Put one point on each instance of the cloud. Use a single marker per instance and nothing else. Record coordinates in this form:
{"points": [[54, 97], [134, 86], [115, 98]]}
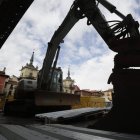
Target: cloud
{"points": [[94, 72], [84, 50]]}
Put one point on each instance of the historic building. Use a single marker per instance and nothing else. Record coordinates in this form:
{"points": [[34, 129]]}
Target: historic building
{"points": [[3, 78], [10, 86], [68, 84], [29, 70]]}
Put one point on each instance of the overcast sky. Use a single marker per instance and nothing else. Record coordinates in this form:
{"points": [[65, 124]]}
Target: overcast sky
{"points": [[89, 58]]}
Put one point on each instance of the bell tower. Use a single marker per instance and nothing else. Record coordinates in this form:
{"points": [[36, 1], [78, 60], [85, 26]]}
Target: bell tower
{"points": [[29, 71], [68, 83]]}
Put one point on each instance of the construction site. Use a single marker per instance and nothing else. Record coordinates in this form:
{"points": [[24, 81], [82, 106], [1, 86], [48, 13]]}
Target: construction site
{"points": [[40, 104]]}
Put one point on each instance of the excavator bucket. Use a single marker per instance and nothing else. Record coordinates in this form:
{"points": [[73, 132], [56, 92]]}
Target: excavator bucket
{"points": [[42, 102], [45, 98]]}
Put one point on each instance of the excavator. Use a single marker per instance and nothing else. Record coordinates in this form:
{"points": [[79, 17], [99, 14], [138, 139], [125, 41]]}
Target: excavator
{"points": [[31, 97], [121, 37]]}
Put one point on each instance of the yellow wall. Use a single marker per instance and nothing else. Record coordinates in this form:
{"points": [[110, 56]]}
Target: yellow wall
{"points": [[90, 101]]}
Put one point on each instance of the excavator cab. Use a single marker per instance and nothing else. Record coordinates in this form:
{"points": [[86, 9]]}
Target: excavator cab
{"points": [[57, 80]]}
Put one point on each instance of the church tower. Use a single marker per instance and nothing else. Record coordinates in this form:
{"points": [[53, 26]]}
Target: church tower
{"points": [[68, 84], [29, 71]]}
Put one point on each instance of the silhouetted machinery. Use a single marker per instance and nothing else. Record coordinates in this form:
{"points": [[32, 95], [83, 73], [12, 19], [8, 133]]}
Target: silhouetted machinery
{"points": [[121, 37]]}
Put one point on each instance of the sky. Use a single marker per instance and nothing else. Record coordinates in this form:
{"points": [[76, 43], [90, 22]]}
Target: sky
{"points": [[89, 58]]}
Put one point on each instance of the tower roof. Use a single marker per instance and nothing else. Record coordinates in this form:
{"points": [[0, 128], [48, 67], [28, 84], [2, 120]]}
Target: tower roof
{"points": [[68, 77], [32, 59], [30, 65]]}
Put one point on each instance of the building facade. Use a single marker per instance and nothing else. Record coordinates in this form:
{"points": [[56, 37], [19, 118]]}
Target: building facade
{"points": [[3, 78], [10, 86]]}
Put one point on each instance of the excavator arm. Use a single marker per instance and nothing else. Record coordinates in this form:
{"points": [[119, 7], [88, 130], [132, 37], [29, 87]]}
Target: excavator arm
{"points": [[128, 27], [70, 20]]}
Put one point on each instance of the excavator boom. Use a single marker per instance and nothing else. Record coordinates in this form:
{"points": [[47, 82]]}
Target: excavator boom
{"points": [[120, 36], [53, 45], [90, 10]]}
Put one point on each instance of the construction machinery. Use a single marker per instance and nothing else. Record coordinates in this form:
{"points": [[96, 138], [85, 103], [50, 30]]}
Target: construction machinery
{"points": [[31, 97], [121, 37], [29, 100]]}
